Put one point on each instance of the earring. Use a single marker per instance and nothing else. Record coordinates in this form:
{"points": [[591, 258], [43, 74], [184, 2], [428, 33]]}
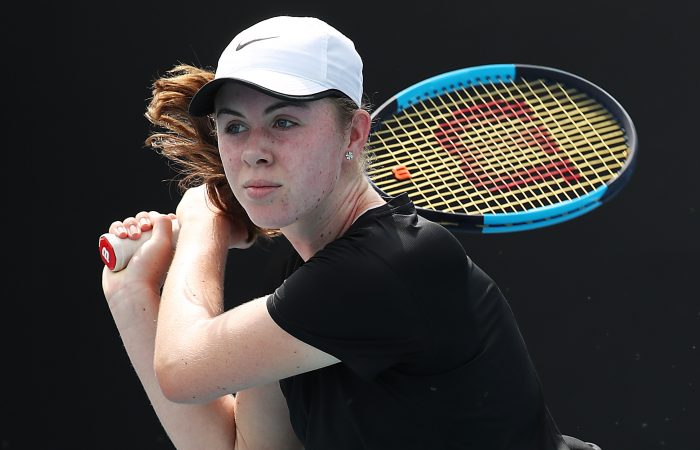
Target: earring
{"points": [[349, 156]]}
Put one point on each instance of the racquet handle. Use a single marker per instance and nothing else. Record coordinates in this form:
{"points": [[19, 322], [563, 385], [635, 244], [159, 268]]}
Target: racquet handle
{"points": [[116, 252]]}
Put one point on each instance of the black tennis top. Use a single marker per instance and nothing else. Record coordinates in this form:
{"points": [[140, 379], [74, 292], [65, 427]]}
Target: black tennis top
{"points": [[431, 355]]}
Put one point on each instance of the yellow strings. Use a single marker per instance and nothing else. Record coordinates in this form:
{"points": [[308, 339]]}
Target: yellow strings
{"points": [[497, 164]]}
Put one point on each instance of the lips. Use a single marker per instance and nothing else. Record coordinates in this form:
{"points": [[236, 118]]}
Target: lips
{"points": [[257, 189]]}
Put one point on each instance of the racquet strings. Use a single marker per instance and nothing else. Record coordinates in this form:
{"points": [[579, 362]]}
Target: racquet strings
{"points": [[500, 147]]}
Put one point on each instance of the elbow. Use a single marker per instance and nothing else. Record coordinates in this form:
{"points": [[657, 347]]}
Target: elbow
{"points": [[173, 382]]}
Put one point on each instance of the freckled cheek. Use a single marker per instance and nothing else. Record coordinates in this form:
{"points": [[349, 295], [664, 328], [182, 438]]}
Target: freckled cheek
{"points": [[231, 163], [318, 181]]}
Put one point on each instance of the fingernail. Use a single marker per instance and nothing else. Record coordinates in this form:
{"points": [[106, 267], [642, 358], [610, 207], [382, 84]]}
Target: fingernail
{"points": [[133, 229], [121, 230]]}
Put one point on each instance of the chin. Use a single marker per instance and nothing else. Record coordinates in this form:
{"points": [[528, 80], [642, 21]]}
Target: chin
{"points": [[269, 222], [275, 215]]}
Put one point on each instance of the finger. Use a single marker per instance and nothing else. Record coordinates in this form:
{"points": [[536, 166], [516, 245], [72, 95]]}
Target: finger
{"points": [[118, 229], [171, 216], [132, 227], [145, 220]]}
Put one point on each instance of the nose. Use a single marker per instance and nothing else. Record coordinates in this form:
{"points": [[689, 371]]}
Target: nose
{"points": [[257, 151], [256, 158]]}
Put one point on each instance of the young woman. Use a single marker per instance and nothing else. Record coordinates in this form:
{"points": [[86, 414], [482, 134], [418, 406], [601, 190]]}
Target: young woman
{"points": [[384, 334]]}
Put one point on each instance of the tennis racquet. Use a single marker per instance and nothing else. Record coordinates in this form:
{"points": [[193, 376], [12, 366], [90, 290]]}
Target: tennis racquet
{"points": [[502, 148], [491, 149]]}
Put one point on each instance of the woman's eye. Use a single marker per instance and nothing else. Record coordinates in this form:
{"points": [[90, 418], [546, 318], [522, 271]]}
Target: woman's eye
{"points": [[284, 123], [235, 128]]}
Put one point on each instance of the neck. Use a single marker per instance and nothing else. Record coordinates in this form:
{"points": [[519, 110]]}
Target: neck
{"points": [[332, 219]]}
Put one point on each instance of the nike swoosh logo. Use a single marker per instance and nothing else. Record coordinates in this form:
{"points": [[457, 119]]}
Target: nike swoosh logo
{"points": [[243, 44]]}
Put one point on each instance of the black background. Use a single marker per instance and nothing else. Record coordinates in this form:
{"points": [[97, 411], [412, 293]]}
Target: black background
{"points": [[607, 302]]}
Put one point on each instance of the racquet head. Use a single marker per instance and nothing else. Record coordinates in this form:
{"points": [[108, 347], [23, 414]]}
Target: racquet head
{"points": [[502, 148]]}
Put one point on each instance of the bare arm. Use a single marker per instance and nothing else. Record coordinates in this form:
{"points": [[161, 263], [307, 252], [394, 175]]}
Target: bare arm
{"points": [[255, 418], [190, 355], [202, 352], [209, 425]]}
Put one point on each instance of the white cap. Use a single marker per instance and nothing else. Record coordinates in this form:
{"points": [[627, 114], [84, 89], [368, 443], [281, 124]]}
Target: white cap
{"points": [[290, 57]]}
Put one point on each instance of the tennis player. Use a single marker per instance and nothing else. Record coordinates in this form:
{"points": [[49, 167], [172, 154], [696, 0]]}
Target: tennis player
{"points": [[383, 335]]}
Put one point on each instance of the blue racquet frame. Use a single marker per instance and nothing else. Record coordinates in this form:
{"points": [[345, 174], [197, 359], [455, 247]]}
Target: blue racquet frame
{"points": [[414, 100]]}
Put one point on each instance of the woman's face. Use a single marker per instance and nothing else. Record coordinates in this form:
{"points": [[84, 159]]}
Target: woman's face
{"points": [[282, 159]]}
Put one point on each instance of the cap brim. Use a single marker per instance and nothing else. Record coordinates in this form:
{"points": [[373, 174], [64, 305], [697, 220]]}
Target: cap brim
{"points": [[202, 102]]}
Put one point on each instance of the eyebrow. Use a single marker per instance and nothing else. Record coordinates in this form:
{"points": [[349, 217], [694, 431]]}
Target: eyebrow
{"points": [[268, 110]]}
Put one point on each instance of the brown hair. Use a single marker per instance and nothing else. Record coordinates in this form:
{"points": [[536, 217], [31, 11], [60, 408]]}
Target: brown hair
{"points": [[190, 142]]}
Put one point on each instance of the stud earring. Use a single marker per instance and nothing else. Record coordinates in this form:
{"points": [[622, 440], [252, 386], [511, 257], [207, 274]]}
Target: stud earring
{"points": [[349, 156]]}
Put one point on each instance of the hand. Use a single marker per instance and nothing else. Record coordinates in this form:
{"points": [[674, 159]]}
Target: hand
{"points": [[148, 266], [196, 210]]}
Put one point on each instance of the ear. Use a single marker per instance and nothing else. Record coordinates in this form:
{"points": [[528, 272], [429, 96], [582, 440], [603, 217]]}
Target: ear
{"points": [[359, 131]]}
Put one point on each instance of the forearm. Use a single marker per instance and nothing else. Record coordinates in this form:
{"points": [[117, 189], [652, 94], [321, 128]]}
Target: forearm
{"points": [[192, 297], [209, 425], [193, 290]]}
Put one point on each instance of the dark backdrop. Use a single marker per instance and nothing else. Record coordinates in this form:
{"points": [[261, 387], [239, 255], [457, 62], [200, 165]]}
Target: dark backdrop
{"points": [[607, 303]]}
